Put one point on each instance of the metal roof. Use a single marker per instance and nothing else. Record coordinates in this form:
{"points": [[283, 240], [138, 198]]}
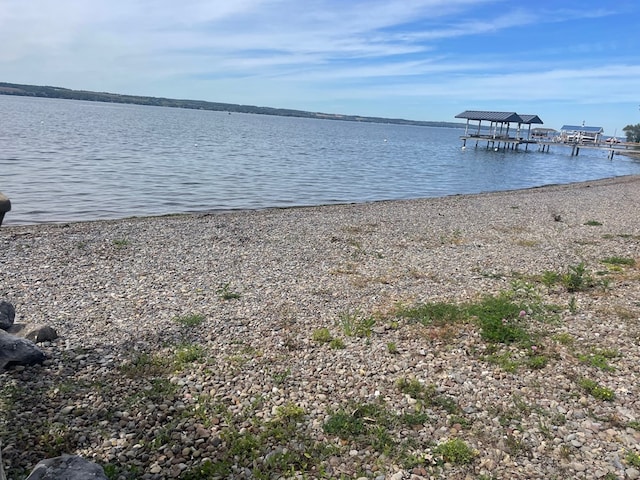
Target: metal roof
{"points": [[531, 119], [578, 128], [490, 116]]}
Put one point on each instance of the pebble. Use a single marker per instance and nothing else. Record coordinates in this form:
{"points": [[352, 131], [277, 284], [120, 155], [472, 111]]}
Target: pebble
{"points": [[296, 271]]}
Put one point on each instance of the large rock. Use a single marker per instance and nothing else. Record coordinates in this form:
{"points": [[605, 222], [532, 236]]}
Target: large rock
{"points": [[7, 315], [18, 351], [5, 206], [67, 467]]}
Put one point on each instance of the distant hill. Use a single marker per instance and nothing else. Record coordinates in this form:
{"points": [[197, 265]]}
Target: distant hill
{"points": [[57, 92]]}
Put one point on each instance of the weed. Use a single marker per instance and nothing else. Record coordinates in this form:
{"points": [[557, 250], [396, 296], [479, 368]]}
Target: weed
{"points": [[500, 320], [225, 292], [537, 362], [414, 418], [337, 344], [357, 325], [634, 424], [322, 335], [120, 243], [455, 451], [573, 305], [146, 365], [504, 361], [564, 338], [159, 389], [577, 278], [188, 354], [549, 279], [427, 394], [593, 223], [632, 458], [280, 377], [595, 390], [290, 411], [597, 360], [392, 348], [619, 261], [190, 320], [438, 313]]}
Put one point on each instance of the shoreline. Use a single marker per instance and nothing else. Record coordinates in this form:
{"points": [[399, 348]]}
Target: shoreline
{"points": [[187, 342], [622, 178]]}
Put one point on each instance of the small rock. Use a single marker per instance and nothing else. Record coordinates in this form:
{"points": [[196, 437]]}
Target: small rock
{"points": [[632, 473], [7, 315]]}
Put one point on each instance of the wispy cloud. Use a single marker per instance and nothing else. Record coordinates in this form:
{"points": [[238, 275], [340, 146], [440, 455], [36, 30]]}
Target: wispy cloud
{"points": [[294, 54]]}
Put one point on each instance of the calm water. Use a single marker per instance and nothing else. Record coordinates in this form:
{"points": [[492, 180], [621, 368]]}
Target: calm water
{"points": [[64, 160]]}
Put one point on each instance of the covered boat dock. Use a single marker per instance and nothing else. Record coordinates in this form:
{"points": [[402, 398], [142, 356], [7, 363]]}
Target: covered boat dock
{"points": [[497, 133]]}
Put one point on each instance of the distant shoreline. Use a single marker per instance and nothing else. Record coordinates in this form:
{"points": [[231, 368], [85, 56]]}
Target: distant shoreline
{"points": [[86, 95]]}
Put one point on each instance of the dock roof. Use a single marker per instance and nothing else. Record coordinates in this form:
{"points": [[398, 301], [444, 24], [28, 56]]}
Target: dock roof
{"points": [[531, 119], [578, 128], [490, 116]]}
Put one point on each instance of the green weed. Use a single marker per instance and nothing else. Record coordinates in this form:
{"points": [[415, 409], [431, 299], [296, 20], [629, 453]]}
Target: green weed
{"points": [[619, 261], [500, 320], [193, 320], [632, 458], [225, 292], [438, 313], [455, 451], [595, 390], [322, 335]]}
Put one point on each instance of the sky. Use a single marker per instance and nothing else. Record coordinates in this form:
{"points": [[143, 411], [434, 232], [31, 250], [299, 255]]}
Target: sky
{"points": [[569, 61]]}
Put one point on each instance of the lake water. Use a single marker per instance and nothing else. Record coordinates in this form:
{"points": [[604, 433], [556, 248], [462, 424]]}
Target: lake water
{"points": [[65, 160]]}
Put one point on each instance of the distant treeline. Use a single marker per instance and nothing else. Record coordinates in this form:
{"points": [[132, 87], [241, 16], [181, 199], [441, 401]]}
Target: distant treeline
{"points": [[57, 92]]}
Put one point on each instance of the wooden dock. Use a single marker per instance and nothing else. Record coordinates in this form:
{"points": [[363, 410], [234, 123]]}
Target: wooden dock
{"points": [[503, 142]]}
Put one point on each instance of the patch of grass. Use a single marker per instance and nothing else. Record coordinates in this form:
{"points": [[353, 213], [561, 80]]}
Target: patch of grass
{"points": [[634, 424], [577, 278], [120, 243], [619, 261], [357, 325], [145, 364], [504, 360], [414, 418], [455, 451], [592, 223], [632, 458], [188, 354], [500, 320], [437, 313], [159, 389], [192, 320], [596, 390], [392, 348], [280, 377], [427, 394], [596, 359], [322, 335], [564, 338], [337, 344], [225, 292]]}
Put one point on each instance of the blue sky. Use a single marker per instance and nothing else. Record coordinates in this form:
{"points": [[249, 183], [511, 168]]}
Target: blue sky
{"points": [[569, 61]]}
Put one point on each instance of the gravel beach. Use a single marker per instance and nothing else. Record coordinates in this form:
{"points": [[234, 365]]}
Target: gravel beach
{"points": [[307, 343]]}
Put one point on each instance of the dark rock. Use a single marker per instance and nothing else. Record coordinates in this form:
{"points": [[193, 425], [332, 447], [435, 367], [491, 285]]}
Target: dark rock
{"points": [[7, 315], [18, 351], [5, 206], [41, 333], [67, 467], [35, 333]]}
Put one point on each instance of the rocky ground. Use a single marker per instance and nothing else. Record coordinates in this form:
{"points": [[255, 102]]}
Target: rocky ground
{"points": [[490, 336]]}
